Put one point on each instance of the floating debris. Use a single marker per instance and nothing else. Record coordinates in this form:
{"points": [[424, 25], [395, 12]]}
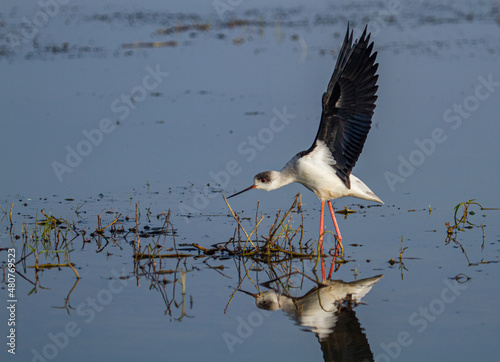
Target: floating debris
{"points": [[154, 44], [345, 211]]}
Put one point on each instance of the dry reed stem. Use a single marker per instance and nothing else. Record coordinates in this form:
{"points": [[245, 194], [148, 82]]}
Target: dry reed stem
{"points": [[100, 229], [71, 266], [238, 221], [140, 256], [137, 239], [48, 266], [10, 215]]}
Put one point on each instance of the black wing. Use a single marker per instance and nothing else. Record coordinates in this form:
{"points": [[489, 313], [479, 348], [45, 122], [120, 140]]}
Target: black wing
{"points": [[348, 104]]}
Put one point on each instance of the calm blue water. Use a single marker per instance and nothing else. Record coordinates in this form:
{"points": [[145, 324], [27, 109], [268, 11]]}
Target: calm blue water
{"points": [[87, 116]]}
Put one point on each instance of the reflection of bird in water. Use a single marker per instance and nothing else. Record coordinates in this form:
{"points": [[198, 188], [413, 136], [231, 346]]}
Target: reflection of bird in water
{"points": [[348, 105], [327, 311]]}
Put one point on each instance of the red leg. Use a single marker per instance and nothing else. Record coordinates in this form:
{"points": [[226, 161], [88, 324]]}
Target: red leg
{"points": [[332, 266], [323, 269], [320, 240], [339, 238], [321, 219]]}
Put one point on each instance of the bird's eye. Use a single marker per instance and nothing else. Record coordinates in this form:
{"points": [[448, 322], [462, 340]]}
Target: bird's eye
{"points": [[263, 180]]}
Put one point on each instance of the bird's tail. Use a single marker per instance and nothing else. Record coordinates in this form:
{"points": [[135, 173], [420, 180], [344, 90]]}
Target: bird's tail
{"points": [[361, 191]]}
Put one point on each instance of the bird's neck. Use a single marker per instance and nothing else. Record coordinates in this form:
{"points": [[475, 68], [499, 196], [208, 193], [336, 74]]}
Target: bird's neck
{"points": [[285, 177]]}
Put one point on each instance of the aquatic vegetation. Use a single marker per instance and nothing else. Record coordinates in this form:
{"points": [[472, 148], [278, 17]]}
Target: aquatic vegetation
{"points": [[400, 261], [462, 223], [277, 244], [262, 246]]}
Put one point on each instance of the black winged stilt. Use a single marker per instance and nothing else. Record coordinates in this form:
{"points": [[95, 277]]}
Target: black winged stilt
{"points": [[348, 105]]}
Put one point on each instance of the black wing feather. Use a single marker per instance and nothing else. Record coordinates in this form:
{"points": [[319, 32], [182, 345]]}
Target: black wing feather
{"points": [[348, 104]]}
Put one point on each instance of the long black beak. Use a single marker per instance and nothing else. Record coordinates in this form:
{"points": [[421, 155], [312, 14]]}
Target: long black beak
{"points": [[248, 188]]}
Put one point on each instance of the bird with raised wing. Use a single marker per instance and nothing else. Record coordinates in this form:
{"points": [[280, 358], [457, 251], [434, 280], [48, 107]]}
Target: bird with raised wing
{"points": [[348, 105]]}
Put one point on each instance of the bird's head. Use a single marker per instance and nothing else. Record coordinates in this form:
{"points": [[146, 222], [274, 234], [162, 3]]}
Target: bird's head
{"points": [[267, 180]]}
